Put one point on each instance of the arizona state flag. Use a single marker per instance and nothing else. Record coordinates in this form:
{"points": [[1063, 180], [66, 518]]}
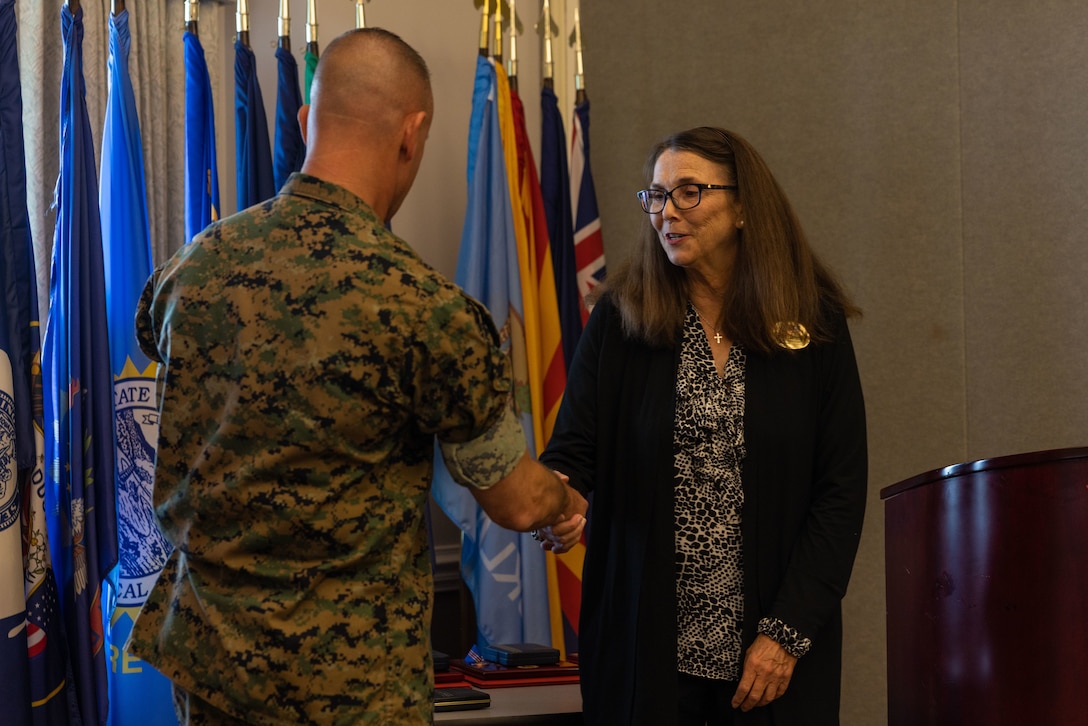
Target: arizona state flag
{"points": [[552, 369]]}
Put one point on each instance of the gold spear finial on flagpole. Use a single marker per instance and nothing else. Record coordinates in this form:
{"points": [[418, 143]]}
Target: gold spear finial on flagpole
{"points": [[285, 25], [192, 16], [360, 13], [311, 26], [241, 16], [512, 64], [485, 28], [579, 71], [549, 61], [497, 50]]}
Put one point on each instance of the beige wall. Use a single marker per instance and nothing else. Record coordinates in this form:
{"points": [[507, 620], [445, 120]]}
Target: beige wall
{"points": [[937, 153]]}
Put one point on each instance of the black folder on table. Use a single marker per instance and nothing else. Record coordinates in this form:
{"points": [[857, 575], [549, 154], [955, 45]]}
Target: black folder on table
{"points": [[460, 699]]}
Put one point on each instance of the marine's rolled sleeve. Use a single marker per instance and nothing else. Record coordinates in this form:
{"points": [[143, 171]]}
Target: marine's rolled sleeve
{"points": [[485, 460], [464, 393]]}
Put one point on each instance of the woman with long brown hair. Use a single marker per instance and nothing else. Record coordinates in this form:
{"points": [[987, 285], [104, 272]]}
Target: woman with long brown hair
{"points": [[714, 412]]}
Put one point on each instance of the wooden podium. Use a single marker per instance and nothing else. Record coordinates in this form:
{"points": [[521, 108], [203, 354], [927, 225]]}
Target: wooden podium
{"points": [[987, 593]]}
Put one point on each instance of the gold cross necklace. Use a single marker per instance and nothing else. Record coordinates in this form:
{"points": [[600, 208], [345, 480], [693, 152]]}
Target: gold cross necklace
{"points": [[717, 332]]}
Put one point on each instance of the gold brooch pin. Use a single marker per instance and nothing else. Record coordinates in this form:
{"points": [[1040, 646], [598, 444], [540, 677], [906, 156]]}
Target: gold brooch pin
{"points": [[792, 336]]}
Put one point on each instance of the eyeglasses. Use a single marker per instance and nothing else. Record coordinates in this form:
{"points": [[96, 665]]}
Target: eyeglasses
{"points": [[685, 196]]}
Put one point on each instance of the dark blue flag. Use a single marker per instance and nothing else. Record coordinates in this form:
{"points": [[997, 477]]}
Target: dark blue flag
{"points": [[78, 394], [555, 188], [253, 153], [290, 151], [201, 176], [32, 653], [138, 693], [19, 293]]}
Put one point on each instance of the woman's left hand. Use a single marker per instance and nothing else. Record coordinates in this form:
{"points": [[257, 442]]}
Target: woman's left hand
{"points": [[768, 669]]}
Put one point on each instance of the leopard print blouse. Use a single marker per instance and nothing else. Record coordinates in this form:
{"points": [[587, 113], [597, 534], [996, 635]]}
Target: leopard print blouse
{"points": [[709, 450]]}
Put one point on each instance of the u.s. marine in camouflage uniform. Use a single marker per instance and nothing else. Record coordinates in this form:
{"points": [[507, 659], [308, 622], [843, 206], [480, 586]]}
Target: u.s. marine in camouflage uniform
{"points": [[310, 358]]}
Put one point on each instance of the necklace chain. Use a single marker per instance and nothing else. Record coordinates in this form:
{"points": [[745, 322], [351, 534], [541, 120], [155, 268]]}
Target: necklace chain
{"points": [[717, 332]]}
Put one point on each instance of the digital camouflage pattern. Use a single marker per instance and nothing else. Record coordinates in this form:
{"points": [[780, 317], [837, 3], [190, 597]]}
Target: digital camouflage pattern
{"points": [[309, 360]]}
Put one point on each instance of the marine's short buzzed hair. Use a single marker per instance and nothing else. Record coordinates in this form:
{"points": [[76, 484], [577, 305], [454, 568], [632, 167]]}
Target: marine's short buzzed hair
{"points": [[372, 63]]}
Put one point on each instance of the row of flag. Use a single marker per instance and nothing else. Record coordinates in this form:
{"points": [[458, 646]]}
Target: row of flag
{"points": [[531, 250], [56, 484], [79, 545], [261, 167]]}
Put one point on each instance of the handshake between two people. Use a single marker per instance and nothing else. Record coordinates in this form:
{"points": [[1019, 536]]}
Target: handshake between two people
{"points": [[567, 531], [535, 498]]}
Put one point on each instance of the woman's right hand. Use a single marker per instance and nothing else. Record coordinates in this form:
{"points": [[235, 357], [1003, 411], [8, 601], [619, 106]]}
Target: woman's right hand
{"points": [[567, 532], [563, 535]]}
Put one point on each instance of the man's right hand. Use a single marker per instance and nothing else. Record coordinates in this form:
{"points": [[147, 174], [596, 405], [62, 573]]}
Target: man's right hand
{"points": [[531, 496]]}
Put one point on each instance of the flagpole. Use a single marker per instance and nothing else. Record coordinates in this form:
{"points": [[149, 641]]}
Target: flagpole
{"points": [[360, 13], [579, 71], [485, 30], [192, 16], [497, 50], [512, 64], [555, 603], [242, 22], [73, 5], [118, 7], [285, 25], [288, 149], [311, 26], [549, 61]]}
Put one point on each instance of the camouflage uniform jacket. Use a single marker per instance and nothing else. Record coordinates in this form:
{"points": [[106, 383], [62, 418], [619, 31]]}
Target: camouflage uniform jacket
{"points": [[310, 358]]}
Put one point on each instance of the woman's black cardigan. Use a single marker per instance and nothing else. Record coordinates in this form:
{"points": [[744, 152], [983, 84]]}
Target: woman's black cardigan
{"points": [[804, 479]]}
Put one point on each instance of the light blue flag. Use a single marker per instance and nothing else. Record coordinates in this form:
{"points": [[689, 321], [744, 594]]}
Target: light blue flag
{"points": [[504, 570], [80, 498], [138, 693]]}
